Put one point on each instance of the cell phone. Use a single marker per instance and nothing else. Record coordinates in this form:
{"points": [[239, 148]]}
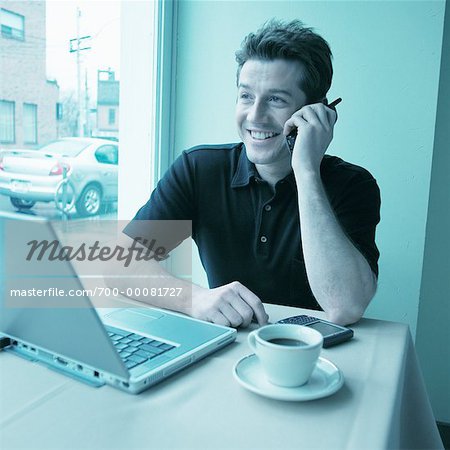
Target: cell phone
{"points": [[290, 138], [332, 333]]}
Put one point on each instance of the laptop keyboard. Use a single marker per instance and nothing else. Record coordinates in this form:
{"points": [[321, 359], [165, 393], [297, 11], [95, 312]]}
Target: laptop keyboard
{"points": [[135, 349]]}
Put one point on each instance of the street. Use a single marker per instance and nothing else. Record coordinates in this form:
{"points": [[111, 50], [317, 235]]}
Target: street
{"points": [[47, 210]]}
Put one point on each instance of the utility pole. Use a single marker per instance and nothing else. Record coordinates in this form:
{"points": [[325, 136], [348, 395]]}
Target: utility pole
{"points": [[77, 43], [78, 74], [87, 129]]}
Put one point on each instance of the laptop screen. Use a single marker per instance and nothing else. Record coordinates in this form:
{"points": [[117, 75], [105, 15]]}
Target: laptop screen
{"points": [[32, 313]]}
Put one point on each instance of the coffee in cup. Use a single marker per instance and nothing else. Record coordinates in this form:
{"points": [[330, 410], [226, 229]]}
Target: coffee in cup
{"points": [[287, 353]]}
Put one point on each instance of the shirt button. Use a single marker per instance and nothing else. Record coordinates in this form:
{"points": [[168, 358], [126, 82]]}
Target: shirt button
{"points": [[267, 207], [263, 239]]}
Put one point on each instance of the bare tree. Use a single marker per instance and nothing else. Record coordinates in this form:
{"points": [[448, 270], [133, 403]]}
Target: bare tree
{"points": [[68, 123]]}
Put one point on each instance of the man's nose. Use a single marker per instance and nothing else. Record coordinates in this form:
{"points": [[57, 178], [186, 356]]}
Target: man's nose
{"points": [[257, 111]]}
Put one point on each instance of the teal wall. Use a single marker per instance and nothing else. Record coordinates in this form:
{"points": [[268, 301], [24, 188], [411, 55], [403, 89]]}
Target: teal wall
{"points": [[387, 59]]}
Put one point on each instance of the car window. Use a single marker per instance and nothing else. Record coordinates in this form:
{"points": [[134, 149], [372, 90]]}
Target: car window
{"points": [[107, 154], [64, 147]]}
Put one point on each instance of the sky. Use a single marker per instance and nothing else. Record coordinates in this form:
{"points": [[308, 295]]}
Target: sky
{"points": [[99, 19]]}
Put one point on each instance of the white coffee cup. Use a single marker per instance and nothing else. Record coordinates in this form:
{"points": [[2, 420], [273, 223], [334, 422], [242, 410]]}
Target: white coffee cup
{"points": [[287, 353]]}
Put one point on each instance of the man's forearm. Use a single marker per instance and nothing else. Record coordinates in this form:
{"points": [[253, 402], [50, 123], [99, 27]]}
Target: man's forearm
{"points": [[230, 305], [151, 284], [340, 277]]}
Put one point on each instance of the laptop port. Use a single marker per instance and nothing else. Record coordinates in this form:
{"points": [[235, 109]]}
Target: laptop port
{"points": [[125, 384], [96, 374], [4, 342], [80, 367], [61, 361]]}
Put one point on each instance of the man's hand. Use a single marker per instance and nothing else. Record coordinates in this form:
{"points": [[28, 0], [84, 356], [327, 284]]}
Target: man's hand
{"points": [[314, 125], [230, 305]]}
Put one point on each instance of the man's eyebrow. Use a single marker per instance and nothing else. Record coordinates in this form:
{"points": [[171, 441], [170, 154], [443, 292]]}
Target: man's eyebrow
{"points": [[280, 91], [271, 91]]}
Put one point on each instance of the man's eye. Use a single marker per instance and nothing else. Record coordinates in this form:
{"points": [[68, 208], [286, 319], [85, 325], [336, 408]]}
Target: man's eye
{"points": [[275, 99], [244, 96]]}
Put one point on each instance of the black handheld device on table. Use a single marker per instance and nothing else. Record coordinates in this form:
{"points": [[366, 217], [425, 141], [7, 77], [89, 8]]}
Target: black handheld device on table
{"points": [[332, 333], [290, 138]]}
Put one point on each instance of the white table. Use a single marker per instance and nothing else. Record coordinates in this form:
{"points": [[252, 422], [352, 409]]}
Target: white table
{"points": [[383, 404]]}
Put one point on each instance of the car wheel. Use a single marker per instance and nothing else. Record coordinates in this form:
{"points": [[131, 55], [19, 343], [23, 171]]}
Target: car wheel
{"points": [[90, 201], [21, 203]]}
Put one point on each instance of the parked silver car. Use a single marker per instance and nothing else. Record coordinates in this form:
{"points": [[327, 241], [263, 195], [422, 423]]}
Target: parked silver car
{"points": [[80, 172]]}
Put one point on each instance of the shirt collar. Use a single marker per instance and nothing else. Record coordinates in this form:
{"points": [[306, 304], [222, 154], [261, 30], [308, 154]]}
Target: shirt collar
{"points": [[246, 170]]}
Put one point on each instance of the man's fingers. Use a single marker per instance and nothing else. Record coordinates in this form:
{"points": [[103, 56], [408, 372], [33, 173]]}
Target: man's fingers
{"points": [[231, 314], [232, 305], [323, 116], [332, 115], [289, 126], [218, 318], [326, 115], [309, 115], [244, 310], [254, 302], [294, 122], [314, 114]]}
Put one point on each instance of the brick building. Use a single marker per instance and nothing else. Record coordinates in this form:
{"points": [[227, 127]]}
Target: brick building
{"points": [[28, 101]]}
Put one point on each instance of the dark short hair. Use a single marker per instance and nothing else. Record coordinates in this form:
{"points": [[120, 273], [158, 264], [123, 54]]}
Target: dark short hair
{"points": [[292, 41]]}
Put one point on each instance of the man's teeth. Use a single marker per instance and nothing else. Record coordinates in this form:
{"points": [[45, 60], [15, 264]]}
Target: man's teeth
{"points": [[262, 134]]}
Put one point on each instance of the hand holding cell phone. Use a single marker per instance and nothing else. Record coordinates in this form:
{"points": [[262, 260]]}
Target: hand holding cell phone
{"points": [[290, 138]]}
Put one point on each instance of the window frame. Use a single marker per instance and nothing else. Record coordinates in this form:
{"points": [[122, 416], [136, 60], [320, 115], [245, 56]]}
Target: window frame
{"points": [[167, 16], [147, 99], [111, 116], [13, 141], [21, 32], [59, 111], [36, 139]]}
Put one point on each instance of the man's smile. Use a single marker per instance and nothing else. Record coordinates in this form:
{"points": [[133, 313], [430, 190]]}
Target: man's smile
{"points": [[262, 135]]}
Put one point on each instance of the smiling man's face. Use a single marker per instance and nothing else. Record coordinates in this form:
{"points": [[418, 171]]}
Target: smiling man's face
{"points": [[268, 95]]}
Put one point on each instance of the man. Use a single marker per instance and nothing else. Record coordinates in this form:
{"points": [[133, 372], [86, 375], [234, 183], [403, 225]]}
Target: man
{"points": [[295, 229]]}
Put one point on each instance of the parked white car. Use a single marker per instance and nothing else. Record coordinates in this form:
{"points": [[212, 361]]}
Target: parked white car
{"points": [[88, 164]]}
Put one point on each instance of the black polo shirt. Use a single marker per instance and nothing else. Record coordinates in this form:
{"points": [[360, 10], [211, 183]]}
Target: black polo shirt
{"points": [[249, 233]]}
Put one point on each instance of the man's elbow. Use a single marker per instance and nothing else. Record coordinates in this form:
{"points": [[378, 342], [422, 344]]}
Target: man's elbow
{"points": [[345, 316], [351, 310]]}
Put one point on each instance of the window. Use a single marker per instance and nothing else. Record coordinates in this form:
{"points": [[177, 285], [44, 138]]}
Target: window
{"points": [[13, 25], [111, 116], [59, 111], [29, 123], [107, 154], [7, 119]]}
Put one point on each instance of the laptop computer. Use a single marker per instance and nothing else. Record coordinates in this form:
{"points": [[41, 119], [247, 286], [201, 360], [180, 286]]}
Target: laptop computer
{"points": [[128, 348]]}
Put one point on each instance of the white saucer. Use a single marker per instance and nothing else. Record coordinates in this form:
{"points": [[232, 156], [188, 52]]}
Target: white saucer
{"points": [[325, 380]]}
